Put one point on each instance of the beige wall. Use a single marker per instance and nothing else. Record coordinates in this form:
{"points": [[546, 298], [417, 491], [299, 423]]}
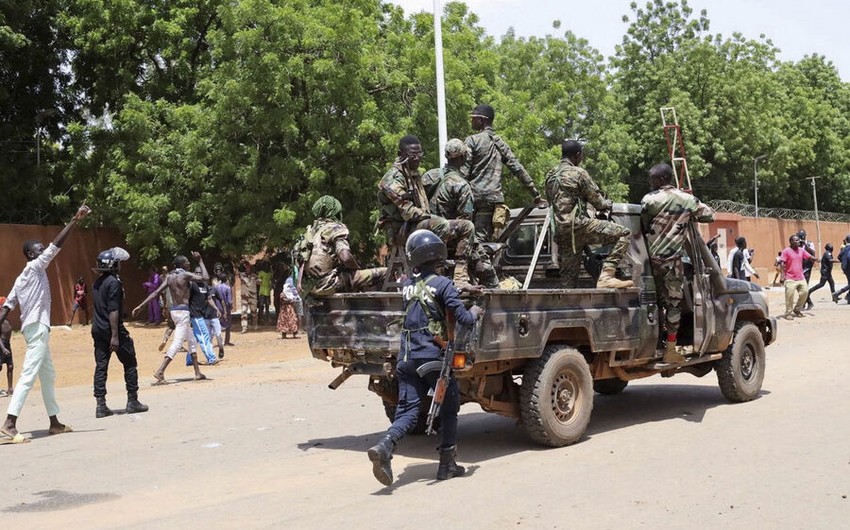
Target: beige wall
{"points": [[76, 259], [769, 236]]}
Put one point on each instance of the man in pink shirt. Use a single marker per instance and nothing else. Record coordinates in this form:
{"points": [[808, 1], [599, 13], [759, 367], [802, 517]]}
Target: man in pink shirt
{"points": [[795, 282]]}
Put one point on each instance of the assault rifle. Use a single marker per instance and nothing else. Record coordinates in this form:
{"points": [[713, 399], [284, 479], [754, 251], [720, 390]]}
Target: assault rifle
{"points": [[445, 367]]}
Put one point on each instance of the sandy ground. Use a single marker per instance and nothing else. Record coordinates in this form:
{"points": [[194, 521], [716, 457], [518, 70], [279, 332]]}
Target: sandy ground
{"points": [[265, 444]]}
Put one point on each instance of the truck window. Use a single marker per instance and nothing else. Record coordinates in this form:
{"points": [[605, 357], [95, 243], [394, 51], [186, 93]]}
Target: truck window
{"points": [[521, 244]]}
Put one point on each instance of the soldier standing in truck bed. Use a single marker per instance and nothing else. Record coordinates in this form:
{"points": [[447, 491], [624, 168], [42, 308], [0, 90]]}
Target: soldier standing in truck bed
{"points": [[667, 211], [405, 208], [323, 252], [483, 169], [569, 189], [450, 196]]}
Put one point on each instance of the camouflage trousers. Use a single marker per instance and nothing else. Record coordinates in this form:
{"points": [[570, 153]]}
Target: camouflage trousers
{"points": [[483, 220], [669, 279], [345, 281], [592, 231], [456, 232]]}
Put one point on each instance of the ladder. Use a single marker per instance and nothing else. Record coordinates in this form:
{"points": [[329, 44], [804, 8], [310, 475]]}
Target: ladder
{"points": [[676, 148]]}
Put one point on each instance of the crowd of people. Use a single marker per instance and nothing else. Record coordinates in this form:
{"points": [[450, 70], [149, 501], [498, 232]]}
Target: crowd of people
{"points": [[456, 208]]}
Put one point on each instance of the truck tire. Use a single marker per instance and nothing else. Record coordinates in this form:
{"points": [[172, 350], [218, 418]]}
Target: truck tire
{"points": [[421, 422], [609, 386], [741, 370], [556, 397]]}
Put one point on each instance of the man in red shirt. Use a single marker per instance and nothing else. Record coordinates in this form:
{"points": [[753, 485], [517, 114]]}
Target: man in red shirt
{"points": [[795, 282]]}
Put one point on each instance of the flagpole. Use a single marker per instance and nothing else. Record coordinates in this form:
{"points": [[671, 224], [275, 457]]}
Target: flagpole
{"points": [[441, 83]]}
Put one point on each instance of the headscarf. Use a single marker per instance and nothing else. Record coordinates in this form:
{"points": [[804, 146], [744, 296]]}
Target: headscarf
{"points": [[327, 207]]}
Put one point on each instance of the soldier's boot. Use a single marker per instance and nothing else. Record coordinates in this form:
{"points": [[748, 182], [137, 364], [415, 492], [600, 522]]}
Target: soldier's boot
{"points": [[488, 278], [671, 355], [608, 281], [380, 454], [102, 410], [134, 405], [448, 468], [461, 276]]}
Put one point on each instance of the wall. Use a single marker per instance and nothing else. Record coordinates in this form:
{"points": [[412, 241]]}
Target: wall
{"points": [[76, 259], [769, 236]]}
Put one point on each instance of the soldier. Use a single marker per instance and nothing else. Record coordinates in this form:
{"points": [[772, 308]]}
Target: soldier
{"points": [[450, 196], [428, 297], [667, 211], [404, 208], [328, 266], [569, 188], [483, 169]]}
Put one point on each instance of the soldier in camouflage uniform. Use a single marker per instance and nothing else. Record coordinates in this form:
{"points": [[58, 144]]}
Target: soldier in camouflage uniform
{"points": [[569, 188], [483, 169], [323, 253], [667, 211], [405, 208], [450, 196]]}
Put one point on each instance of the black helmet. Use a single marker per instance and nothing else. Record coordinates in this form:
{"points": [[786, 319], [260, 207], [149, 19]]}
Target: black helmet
{"points": [[829, 247], [801, 234], [423, 246], [483, 111], [109, 260]]}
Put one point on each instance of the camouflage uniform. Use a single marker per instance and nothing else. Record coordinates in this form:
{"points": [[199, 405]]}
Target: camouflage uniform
{"points": [[319, 249], [450, 196], [569, 189], [664, 220], [404, 208], [483, 169]]}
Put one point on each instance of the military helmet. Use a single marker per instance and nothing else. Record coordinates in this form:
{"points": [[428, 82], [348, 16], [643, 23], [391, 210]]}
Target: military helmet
{"points": [[455, 148], [423, 246], [109, 260], [483, 111]]}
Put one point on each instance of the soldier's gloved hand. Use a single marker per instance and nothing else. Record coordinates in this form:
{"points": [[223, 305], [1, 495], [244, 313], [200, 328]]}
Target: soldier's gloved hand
{"points": [[476, 311], [608, 205], [541, 202]]}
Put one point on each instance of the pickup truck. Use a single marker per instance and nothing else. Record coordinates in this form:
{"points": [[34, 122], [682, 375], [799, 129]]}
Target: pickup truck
{"points": [[538, 354]]}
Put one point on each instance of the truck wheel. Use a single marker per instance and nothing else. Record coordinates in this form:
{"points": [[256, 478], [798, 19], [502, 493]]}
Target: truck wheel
{"points": [[609, 386], [556, 397], [741, 370], [421, 422]]}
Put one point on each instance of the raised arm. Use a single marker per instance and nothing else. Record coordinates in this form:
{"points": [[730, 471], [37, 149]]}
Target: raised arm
{"points": [[82, 211]]}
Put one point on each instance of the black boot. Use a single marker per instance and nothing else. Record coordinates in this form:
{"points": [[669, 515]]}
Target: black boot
{"points": [[448, 467], [134, 405], [380, 454], [102, 410]]}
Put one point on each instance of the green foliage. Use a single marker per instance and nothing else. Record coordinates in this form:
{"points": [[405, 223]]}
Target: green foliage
{"points": [[216, 124]]}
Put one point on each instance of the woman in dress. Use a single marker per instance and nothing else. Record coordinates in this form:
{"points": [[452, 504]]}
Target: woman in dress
{"points": [[287, 318]]}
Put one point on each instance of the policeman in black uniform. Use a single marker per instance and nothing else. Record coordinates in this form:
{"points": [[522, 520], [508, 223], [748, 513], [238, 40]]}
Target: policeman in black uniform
{"points": [[109, 333], [428, 296]]}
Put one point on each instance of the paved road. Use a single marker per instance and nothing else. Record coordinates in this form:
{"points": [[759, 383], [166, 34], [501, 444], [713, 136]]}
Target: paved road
{"points": [[269, 446]]}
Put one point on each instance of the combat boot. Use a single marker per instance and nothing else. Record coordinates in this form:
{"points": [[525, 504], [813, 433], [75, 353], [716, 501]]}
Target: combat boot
{"points": [[448, 467], [608, 281], [461, 276], [134, 405], [380, 454], [102, 410], [671, 355]]}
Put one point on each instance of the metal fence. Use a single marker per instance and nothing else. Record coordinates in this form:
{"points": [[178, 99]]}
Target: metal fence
{"points": [[748, 210]]}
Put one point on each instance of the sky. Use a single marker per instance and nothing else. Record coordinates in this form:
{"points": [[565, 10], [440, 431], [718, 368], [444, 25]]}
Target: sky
{"points": [[797, 28]]}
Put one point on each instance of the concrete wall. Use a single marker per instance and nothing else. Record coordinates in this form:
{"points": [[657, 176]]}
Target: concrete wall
{"points": [[76, 259], [769, 236]]}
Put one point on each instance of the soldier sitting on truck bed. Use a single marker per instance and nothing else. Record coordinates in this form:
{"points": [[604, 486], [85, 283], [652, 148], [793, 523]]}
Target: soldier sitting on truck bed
{"points": [[328, 266], [569, 188], [667, 211], [404, 208], [450, 196]]}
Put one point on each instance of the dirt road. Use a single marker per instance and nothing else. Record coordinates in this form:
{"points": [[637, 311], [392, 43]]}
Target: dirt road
{"points": [[265, 444]]}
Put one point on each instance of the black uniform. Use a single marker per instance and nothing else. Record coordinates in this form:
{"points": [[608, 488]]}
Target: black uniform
{"points": [[825, 273], [108, 294]]}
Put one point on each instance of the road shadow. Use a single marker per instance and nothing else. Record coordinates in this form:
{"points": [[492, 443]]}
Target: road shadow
{"points": [[484, 436], [425, 473]]}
